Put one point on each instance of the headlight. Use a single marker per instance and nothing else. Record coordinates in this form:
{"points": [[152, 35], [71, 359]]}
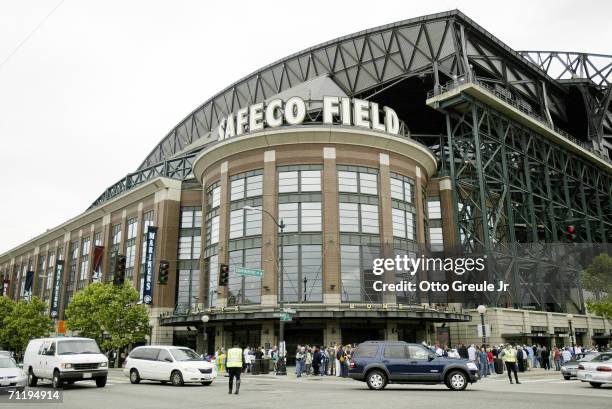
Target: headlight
{"points": [[192, 370], [472, 366], [103, 364], [66, 366]]}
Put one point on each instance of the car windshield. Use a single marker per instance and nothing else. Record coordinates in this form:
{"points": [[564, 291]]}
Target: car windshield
{"points": [[80, 346], [7, 363], [586, 358], [185, 354]]}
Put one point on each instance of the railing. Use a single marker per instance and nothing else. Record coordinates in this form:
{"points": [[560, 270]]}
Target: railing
{"points": [[452, 84]]}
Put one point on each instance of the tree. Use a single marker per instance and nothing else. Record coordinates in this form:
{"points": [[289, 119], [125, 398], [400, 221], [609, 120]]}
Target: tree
{"points": [[109, 314], [7, 306], [597, 278], [28, 320]]}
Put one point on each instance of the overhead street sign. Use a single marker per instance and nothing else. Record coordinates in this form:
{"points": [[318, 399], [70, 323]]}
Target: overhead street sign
{"points": [[289, 310], [255, 272]]}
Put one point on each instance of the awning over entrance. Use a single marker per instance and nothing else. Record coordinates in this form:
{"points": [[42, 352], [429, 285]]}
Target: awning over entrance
{"points": [[314, 312]]}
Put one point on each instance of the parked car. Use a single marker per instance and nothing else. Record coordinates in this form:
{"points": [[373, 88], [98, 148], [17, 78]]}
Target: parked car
{"points": [[379, 363], [176, 364], [597, 371], [569, 368], [65, 359], [7, 354], [11, 375]]}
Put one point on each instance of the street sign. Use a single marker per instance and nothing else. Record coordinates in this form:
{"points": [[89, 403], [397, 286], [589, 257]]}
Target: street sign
{"points": [[487, 329], [289, 310], [255, 272], [285, 317]]}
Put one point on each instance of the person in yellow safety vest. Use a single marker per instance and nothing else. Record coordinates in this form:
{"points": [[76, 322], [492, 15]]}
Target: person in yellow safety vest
{"points": [[509, 357], [234, 363]]}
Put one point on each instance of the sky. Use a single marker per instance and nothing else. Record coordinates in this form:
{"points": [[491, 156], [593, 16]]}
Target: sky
{"points": [[87, 91]]}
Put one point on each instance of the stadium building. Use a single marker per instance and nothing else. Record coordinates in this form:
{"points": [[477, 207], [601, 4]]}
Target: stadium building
{"points": [[425, 133]]}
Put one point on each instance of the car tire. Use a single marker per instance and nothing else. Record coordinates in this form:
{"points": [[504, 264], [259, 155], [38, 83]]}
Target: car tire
{"points": [[207, 383], [32, 379], [57, 380], [101, 382], [595, 384], [567, 377], [376, 380], [177, 378], [456, 380], [134, 376]]}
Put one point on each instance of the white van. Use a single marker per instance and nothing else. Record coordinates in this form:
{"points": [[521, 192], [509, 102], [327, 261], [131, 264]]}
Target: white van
{"points": [[178, 365], [65, 359]]}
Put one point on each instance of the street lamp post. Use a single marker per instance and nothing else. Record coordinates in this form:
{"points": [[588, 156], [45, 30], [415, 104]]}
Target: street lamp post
{"points": [[281, 367], [481, 310], [570, 317]]}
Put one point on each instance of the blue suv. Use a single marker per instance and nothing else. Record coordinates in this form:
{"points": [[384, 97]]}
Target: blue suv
{"points": [[381, 362]]}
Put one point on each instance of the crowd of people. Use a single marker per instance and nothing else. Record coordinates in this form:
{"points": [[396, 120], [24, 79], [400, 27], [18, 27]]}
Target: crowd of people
{"points": [[323, 361]]}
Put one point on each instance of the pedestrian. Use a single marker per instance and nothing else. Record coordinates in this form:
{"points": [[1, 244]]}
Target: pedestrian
{"points": [[484, 362], [247, 358], [529, 358], [462, 351], [520, 359], [544, 356], [557, 358], [299, 361], [235, 364], [509, 358], [566, 355], [472, 353], [316, 361], [490, 361], [308, 361], [341, 358]]}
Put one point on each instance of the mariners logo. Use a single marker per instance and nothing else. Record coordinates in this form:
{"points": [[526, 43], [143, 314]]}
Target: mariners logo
{"points": [[147, 299]]}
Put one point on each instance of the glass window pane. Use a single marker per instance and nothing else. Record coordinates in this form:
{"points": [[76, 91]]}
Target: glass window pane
{"points": [[311, 216], [397, 189], [237, 189], [312, 288], [408, 192], [311, 181], [411, 228], [237, 223], [214, 230], [433, 209], [350, 273], [349, 217], [290, 276], [347, 181], [288, 213], [287, 182], [367, 182], [369, 218], [253, 223], [216, 196], [254, 186], [399, 223]]}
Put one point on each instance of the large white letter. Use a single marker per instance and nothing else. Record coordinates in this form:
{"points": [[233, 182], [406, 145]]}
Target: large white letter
{"points": [[256, 117], [295, 111], [330, 108], [241, 120], [360, 113], [221, 129], [274, 116], [230, 126], [375, 117], [391, 121], [346, 111]]}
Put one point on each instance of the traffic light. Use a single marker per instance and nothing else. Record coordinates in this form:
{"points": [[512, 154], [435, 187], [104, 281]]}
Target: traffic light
{"points": [[570, 233], [164, 267], [223, 275], [119, 277]]}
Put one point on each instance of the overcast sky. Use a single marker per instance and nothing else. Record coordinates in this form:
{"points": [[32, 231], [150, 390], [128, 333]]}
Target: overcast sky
{"points": [[90, 93]]}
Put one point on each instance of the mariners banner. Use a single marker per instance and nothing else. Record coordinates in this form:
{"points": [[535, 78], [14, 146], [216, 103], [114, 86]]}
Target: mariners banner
{"points": [[151, 238], [57, 284]]}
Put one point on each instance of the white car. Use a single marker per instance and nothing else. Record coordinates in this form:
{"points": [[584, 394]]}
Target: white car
{"points": [[163, 363], [65, 359], [11, 376], [597, 371]]}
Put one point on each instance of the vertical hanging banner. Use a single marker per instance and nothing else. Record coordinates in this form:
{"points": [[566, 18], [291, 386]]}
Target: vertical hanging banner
{"points": [[27, 288], [97, 264], [5, 287], [57, 284], [151, 238]]}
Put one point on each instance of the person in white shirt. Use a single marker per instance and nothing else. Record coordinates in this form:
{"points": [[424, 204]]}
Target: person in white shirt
{"points": [[566, 355], [247, 358], [472, 353]]}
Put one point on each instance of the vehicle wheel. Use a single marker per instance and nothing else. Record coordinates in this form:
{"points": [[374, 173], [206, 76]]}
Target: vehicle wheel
{"points": [[207, 383], [376, 380], [134, 376], [176, 378], [595, 384], [456, 381], [57, 381], [101, 382], [566, 377], [32, 379]]}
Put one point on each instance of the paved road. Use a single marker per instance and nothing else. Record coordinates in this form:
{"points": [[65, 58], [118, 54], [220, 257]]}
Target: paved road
{"points": [[537, 391]]}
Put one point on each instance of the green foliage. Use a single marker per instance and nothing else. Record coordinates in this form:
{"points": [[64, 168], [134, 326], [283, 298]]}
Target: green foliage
{"points": [[109, 314], [597, 278], [27, 320], [7, 306]]}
